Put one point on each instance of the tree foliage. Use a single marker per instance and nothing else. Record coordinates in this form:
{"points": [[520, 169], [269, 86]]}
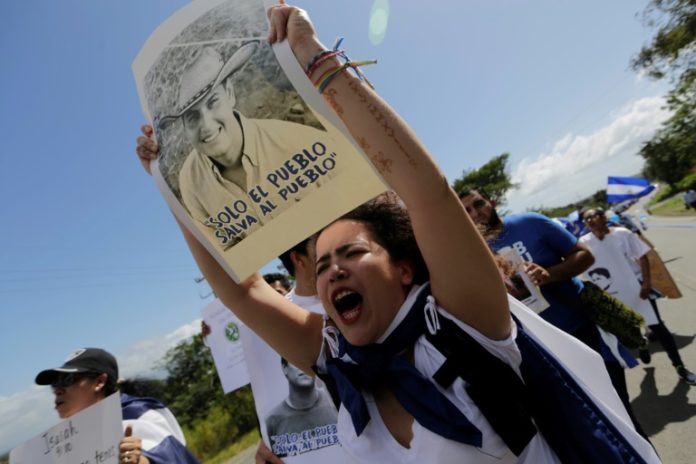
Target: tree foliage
{"points": [[192, 382], [672, 50], [194, 394], [669, 156], [492, 177], [672, 151]]}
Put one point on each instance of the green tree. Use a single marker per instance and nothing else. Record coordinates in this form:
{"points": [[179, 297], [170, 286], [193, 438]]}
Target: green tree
{"points": [[210, 419], [672, 52], [669, 156], [491, 177], [193, 387], [192, 383]]}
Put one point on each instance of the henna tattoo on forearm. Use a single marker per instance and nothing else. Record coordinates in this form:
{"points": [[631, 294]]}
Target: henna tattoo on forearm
{"points": [[330, 95], [380, 158], [382, 163]]}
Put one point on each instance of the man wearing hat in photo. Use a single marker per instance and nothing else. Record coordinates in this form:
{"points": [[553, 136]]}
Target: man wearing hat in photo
{"points": [[233, 155], [151, 432]]}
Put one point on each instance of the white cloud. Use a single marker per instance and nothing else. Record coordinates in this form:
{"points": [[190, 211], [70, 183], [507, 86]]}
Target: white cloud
{"points": [[26, 414], [142, 358], [576, 157]]}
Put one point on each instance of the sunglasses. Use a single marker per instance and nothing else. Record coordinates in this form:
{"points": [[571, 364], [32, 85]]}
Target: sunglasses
{"points": [[66, 380], [592, 217]]}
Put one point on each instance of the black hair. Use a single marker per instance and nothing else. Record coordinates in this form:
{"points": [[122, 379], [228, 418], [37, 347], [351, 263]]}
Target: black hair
{"points": [[111, 385], [300, 248], [600, 271], [465, 192], [277, 277], [387, 219], [152, 388]]}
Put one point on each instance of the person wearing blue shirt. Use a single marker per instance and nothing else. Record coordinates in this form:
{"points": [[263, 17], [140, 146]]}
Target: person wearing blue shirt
{"points": [[554, 259]]}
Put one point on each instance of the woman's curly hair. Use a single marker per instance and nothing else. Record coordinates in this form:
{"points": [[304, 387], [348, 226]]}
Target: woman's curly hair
{"points": [[385, 216]]}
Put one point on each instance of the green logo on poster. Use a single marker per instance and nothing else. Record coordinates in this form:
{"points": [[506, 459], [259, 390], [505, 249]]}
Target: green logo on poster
{"points": [[232, 332]]}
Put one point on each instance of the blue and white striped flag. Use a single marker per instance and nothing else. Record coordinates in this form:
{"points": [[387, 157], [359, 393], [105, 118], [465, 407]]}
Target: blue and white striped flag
{"points": [[627, 188]]}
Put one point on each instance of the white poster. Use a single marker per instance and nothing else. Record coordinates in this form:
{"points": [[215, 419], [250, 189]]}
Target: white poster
{"points": [[91, 436], [224, 341], [519, 284], [252, 160], [296, 413]]}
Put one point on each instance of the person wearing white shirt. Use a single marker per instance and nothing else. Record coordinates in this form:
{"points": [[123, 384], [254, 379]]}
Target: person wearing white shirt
{"points": [[616, 250]]}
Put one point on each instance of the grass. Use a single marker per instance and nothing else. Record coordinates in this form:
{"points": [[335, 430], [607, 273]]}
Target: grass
{"points": [[673, 206], [247, 440]]}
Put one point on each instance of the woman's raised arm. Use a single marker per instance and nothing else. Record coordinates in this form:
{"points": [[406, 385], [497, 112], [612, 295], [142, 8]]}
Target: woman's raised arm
{"points": [[464, 277]]}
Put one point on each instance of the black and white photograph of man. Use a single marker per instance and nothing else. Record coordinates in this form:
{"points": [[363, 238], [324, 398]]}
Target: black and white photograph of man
{"points": [[250, 158], [601, 277], [239, 166], [239, 146]]}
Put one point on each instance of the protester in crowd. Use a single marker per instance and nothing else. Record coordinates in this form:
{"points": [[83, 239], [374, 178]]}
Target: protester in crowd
{"points": [[278, 281], [554, 260], [690, 199], [618, 251], [152, 434], [379, 292]]}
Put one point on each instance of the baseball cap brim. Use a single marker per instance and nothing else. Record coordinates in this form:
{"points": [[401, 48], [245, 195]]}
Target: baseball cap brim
{"points": [[48, 376]]}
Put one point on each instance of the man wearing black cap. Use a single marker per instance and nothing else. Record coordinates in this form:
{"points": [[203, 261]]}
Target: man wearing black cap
{"points": [[241, 172], [152, 434]]}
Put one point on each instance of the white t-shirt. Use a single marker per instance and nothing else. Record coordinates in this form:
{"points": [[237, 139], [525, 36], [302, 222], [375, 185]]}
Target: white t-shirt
{"points": [[377, 445], [615, 256], [310, 303]]}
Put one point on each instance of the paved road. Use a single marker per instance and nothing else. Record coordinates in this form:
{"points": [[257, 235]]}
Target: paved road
{"points": [[245, 457], [665, 406]]}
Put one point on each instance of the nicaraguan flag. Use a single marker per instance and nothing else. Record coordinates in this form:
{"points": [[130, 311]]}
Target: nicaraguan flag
{"points": [[627, 188]]}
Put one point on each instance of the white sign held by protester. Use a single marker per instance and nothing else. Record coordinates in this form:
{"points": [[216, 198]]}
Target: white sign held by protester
{"points": [[274, 164], [225, 345], [91, 436], [520, 285]]}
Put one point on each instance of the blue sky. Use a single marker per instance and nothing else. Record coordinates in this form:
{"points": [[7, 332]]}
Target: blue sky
{"points": [[91, 255]]}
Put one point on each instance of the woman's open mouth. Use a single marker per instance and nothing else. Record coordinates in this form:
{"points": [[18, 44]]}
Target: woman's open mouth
{"points": [[348, 304]]}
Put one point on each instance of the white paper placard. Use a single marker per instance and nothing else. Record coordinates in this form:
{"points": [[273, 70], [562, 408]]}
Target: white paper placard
{"points": [[520, 285], [91, 436], [252, 160], [226, 346]]}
